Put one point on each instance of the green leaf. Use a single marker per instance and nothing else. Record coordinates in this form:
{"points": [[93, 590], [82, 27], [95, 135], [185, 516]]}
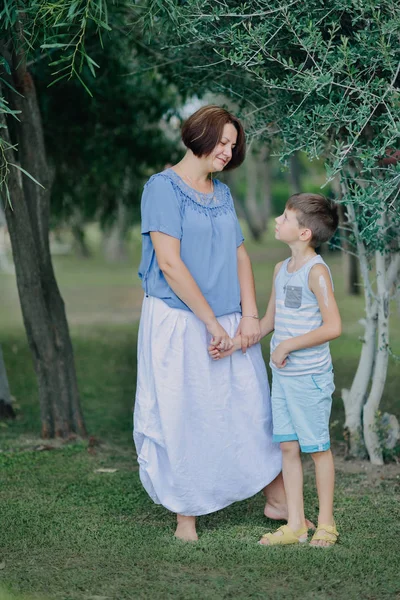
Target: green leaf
{"points": [[53, 45], [6, 65], [27, 174]]}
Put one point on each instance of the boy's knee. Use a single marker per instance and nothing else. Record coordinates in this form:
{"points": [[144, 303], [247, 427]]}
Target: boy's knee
{"points": [[317, 456], [290, 448]]}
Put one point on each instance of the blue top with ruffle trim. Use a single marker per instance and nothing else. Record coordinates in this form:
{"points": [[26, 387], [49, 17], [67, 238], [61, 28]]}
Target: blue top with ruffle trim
{"points": [[209, 234]]}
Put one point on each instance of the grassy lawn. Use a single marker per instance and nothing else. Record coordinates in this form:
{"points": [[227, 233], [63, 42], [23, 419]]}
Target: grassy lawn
{"points": [[69, 532]]}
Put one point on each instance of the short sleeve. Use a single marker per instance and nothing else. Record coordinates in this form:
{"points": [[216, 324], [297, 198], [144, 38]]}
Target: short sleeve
{"points": [[160, 207], [239, 234]]}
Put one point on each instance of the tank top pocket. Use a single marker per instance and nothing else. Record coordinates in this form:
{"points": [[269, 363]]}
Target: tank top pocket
{"points": [[293, 296]]}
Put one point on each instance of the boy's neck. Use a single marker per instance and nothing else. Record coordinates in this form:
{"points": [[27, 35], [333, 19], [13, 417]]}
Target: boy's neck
{"points": [[300, 255]]}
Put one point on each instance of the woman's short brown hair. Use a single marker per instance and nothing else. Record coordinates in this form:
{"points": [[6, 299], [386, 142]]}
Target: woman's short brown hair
{"points": [[317, 213], [203, 131]]}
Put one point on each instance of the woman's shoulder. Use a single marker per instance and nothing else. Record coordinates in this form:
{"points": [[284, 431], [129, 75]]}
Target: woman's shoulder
{"points": [[222, 186], [159, 179]]}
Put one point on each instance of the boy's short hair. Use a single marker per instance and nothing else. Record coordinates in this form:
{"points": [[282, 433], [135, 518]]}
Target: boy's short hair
{"points": [[317, 213], [203, 131]]}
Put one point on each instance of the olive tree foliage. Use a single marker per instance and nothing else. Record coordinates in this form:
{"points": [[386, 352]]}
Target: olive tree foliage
{"points": [[320, 77], [113, 138]]}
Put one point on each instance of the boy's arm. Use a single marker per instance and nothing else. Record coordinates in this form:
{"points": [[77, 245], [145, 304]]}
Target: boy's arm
{"points": [[320, 284], [267, 323]]}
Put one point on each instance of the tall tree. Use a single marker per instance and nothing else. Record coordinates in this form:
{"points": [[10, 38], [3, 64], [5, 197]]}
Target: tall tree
{"points": [[25, 186], [6, 409]]}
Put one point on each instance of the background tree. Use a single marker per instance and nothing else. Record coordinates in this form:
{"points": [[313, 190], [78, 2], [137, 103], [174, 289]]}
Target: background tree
{"points": [[24, 164], [113, 140], [6, 410], [325, 79]]}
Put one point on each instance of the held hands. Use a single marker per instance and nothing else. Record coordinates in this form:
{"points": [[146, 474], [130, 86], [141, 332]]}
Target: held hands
{"points": [[248, 334], [216, 354], [220, 339], [279, 356], [249, 331]]}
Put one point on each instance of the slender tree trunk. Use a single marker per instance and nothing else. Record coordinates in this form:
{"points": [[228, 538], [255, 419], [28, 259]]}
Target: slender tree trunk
{"points": [[6, 410], [350, 260], [384, 284], [41, 303], [264, 175], [77, 228], [354, 398], [256, 226], [231, 180], [360, 407], [380, 370], [114, 237], [5, 265]]}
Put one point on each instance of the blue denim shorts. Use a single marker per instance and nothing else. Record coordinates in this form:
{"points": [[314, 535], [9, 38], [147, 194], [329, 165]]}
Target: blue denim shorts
{"points": [[301, 407]]}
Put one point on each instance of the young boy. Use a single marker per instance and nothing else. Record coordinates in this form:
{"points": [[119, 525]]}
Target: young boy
{"points": [[304, 316]]}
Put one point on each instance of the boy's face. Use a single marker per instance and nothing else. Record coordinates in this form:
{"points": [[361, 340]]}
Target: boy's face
{"points": [[288, 229]]}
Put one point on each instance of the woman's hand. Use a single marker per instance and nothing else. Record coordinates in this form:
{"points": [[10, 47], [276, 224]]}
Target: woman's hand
{"points": [[250, 332], [220, 339]]}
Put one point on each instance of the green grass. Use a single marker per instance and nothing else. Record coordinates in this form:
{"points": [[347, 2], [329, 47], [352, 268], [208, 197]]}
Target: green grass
{"points": [[70, 533]]}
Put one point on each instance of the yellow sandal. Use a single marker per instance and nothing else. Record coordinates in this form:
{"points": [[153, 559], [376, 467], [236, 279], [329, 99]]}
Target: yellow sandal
{"points": [[288, 536], [324, 533]]}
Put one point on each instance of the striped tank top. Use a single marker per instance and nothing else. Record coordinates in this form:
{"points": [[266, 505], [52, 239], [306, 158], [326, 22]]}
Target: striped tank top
{"points": [[297, 312]]}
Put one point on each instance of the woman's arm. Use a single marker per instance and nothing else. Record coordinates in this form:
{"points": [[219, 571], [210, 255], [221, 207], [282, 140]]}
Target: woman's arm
{"points": [[249, 328], [179, 278]]}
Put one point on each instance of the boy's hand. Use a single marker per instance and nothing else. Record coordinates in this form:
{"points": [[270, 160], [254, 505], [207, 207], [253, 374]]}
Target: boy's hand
{"points": [[279, 356], [249, 331]]}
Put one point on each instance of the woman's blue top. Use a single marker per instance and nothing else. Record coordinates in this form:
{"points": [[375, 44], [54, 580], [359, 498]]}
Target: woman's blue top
{"points": [[209, 232]]}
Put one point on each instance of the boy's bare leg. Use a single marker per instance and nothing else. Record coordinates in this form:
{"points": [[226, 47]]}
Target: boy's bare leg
{"points": [[186, 528], [276, 505], [325, 478], [292, 471]]}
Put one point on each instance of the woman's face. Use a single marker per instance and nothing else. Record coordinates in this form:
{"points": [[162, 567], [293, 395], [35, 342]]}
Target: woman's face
{"points": [[222, 152]]}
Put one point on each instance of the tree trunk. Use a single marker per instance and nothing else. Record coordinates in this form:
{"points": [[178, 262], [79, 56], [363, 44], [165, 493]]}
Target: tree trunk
{"points": [[6, 410], [114, 237], [115, 248], [256, 226], [264, 175], [350, 261], [78, 232], [41, 303], [354, 398], [5, 265], [384, 284]]}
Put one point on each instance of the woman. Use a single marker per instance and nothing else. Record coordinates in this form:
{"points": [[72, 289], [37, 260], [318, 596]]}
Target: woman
{"points": [[202, 429]]}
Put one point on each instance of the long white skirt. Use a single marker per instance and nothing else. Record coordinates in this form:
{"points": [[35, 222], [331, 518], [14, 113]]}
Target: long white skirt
{"points": [[202, 428]]}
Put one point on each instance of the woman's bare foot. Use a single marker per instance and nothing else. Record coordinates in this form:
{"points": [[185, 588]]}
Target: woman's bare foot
{"points": [[279, 513], [186, 528]]}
